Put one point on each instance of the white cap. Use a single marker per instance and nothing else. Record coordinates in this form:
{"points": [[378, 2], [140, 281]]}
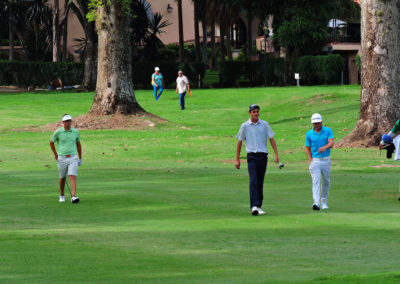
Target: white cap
{"points": [[316, 117], [156, 69], [66, 117]]}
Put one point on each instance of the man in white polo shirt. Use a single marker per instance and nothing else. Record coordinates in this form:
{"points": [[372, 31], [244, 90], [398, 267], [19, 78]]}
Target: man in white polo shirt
{"points": [[182, 86], [69, 145], [256, 132], [319, 142]]}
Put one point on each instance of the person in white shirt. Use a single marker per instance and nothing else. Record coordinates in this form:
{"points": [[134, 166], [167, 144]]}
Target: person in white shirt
{"points": [[256, 132], [182, 86]]}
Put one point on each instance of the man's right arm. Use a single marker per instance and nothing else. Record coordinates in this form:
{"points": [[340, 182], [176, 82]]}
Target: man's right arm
{"points": [[53, 148], [238, 149], [308, 151]]}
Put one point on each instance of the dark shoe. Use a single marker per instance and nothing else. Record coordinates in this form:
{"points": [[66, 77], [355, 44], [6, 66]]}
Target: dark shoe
{"points": [[315, 207], [75, 199]]}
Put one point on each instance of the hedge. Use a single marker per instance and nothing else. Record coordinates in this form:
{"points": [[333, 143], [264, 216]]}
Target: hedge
{"points": [[142, 71], [316, 70], [29, 73], [242, 73]]}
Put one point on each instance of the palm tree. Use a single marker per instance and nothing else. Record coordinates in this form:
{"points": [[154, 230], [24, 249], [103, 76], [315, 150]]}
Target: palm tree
{"points": [[12, 11], [196, 28], [56, 31], [36, 12], [180, 24], [81, 8]]}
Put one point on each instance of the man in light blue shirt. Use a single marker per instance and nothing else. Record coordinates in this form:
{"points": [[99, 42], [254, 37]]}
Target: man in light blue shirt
{"points": [[319, 142], [256, 132]]}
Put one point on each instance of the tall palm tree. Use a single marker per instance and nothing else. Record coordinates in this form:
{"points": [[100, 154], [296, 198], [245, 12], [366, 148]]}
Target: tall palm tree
{"points": [[196, 29], [81, 8], [180, 24], [12, 11], [36, 12], [56, 31]]}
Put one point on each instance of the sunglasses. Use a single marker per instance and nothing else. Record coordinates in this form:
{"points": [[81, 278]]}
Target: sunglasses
{"points": [[67, 120]]}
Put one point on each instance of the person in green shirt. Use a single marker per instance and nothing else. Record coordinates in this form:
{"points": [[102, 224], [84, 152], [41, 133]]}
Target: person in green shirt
{"points": [[69, 149]]}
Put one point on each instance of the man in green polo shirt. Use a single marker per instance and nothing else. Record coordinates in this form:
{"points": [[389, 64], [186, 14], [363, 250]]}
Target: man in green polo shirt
{"points": [[69, 148]]}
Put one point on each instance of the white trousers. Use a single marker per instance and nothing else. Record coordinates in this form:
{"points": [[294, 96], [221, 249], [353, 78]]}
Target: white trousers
{"points": [[320, 169]]}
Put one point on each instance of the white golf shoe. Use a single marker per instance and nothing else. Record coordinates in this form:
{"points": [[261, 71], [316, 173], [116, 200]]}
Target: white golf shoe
{"points": [[62, 198], [254, 210], [324, 206], [260, 211], [74, 199]]}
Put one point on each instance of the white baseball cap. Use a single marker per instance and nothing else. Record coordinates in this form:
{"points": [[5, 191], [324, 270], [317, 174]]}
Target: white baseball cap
{"points": [[316, 117], [66, 117], [156, 69]]}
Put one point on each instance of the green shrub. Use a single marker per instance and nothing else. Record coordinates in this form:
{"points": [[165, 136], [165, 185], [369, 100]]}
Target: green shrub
{"points": [[323, 69], [37, 73], [252, 73], [358, 62]]}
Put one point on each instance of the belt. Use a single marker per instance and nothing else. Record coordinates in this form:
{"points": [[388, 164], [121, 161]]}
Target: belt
{"points": [[66, 156], [258, 153], [321, 159]]}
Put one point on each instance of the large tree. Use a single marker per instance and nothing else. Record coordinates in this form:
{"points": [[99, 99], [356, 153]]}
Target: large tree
{"points": [[114, 88], [380, 71]]}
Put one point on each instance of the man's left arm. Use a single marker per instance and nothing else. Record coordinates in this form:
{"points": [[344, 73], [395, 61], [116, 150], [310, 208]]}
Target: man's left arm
{"points": [[273, 145]]}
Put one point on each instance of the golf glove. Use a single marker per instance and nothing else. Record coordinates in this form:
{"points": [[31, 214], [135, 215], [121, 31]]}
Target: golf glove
{"points": [[79, 162]]}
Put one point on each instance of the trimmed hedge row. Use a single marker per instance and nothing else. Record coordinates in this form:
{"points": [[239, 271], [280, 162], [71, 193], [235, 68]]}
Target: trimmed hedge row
{"points": [[29, 73], [142, 72], [316, 70], [242, 73]]}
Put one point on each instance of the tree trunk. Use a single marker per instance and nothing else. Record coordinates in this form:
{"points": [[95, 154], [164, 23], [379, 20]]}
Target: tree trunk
{"points": [[229, 42], [56, 32], [213, 47], [380, 72], [205, 53], [90, 66], [196, 32], [181, 41], [114, 89], [222, 41], [249, 35], [11, 45], [65, 32]]}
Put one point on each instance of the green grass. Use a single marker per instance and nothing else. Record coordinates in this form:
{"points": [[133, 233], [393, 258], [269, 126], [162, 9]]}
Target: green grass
{"points": [[165, 205]]}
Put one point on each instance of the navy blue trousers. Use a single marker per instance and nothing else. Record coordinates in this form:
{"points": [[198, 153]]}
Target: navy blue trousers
{"points": [[257, 165]]}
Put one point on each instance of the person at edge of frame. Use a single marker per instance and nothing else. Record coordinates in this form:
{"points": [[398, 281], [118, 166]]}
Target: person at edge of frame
{"points": [[383, 144], [69, 148], [319, 141], [256, 132]]}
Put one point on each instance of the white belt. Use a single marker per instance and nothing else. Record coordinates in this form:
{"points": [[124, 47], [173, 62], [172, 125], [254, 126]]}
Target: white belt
{"points": [[321, 159]]}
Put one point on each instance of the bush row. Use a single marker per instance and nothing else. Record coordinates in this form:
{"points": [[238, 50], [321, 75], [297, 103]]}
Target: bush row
{"points": [[26, 73], [317, 70], [252, 73], [314, 70]]}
